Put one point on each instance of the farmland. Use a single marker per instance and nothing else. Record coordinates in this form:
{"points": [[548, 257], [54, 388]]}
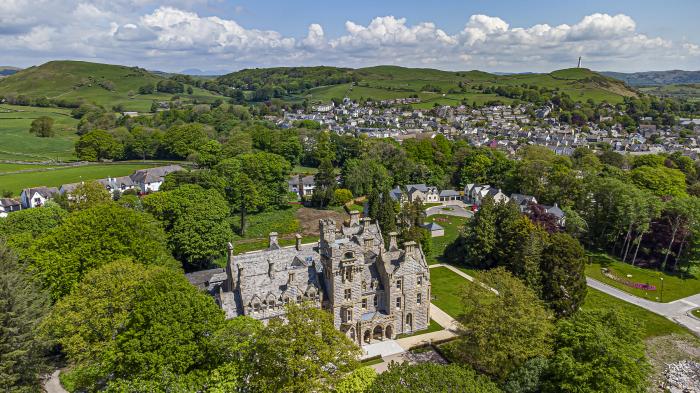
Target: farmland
{"points": [[56, 176], [17, 144]]}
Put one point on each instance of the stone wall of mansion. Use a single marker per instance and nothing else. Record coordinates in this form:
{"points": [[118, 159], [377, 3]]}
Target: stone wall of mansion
{"points": [[374, 292]]}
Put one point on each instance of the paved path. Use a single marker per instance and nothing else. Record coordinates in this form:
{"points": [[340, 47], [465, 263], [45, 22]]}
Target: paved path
{"points": [[677, 311], [53, 384], [455, 210]]}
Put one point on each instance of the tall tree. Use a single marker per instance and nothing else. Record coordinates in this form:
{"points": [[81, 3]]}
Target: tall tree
{"points": [[127, 322], [23, 305], [325, 184], [90, 238], [87, 195], [484, 342], [597, 352], [304, 354], [431, 378], [563, 272], [42, 127]]}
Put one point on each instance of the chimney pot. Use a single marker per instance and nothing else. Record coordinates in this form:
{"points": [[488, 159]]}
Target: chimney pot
{"points": [[298, 241], [409, 246], [273, 241], [392, 241]]}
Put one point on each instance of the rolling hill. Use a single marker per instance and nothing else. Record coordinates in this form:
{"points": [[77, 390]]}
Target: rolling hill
{"points": [[321, 84], [101, 84], [656, 78]]}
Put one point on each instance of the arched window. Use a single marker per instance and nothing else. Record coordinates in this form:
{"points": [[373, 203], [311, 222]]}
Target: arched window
{"points": [[349, 255]]}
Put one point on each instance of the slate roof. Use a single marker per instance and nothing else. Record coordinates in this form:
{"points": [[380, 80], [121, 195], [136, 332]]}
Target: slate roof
{"points": [[152, 175], [46, 192], [522, 199], [9, 202], [449, 193], [432, 226]]}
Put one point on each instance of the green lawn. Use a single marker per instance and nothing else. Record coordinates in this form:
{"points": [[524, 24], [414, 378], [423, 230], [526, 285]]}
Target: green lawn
{"points": [[17, 144], [15, 182], [651, 324], [446, 286], [452, 226], [674, 286], [304, 170], [696, 312], [432, 327], [260, 225]]}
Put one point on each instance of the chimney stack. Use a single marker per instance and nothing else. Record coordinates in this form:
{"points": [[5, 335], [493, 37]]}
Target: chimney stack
{"points": [[365, 223], [273, 241], [270, 267], [298, 241], [409, 246], [354, 218], [229, 267], [392, 241]]}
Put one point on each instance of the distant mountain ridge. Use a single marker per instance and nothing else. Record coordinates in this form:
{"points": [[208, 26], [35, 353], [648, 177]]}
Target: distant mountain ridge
{"points": [[655, 78], [8, 70]]}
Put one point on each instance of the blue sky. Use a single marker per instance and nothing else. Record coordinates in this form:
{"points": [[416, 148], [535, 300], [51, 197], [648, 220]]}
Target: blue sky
{"points": [[224, 35]]}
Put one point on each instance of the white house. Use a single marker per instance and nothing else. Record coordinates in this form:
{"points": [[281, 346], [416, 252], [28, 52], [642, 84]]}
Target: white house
{"points": [[35, 197], [308, 184], [8, 205], [427, 194], [150, 180]]}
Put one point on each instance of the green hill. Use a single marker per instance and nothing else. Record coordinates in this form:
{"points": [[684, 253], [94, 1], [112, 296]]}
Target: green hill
{"points": [[84, 82], [321, 84]]}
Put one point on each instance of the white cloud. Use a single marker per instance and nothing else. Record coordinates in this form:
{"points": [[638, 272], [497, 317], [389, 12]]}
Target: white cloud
{"points": [[176, 36]]}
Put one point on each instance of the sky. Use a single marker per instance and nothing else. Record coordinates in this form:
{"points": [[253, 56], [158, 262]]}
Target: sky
{"points": [[218, 36]]}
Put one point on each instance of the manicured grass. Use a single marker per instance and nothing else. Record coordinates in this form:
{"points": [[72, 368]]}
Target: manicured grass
{"points": [[651, 324], [452, 225], [17, 144], [447, 290], [355, 206], [372, 361], [674, 286], [56, 177], [432, 327], [696, 312]]}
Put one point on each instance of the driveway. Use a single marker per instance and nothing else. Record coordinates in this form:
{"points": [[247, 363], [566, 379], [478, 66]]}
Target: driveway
{"points": [[449, 210], [677, 311]]}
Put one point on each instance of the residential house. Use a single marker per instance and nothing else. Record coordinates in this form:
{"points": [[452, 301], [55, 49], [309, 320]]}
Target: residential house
{"points": [[37, 196], [474, 194], [435, 229], [150, 180], [523, 201], [307, 183], [8, 205], [556, 212], [427, 194]]}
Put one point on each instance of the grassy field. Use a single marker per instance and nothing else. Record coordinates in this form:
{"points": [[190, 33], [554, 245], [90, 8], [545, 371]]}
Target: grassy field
{"points": [[17, 144], [674, 286], [15, 182], [7, 168], [651, 324], [688, 91], [696, 312], [446, 287], [84, 81], [452, 225], [432, 327]]}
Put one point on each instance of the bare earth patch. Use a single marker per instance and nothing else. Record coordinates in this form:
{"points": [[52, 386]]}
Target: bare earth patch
{"points": [[308, 219], [663, 350]]}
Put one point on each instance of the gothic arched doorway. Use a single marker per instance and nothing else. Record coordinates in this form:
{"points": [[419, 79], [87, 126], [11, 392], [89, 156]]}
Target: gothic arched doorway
{"points": [[389, 331], [378, 333], [367, 336], [351, 334]]}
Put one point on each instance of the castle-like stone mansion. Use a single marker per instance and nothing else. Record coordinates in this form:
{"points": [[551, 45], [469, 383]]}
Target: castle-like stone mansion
{"points": [[373, 292]]}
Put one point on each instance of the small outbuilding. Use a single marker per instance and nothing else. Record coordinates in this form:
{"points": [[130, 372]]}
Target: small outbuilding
{"points": [[435, 229]]}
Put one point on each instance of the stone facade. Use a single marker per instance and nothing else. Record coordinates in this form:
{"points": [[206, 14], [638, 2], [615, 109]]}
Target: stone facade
{"points": [[373, 292]]}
